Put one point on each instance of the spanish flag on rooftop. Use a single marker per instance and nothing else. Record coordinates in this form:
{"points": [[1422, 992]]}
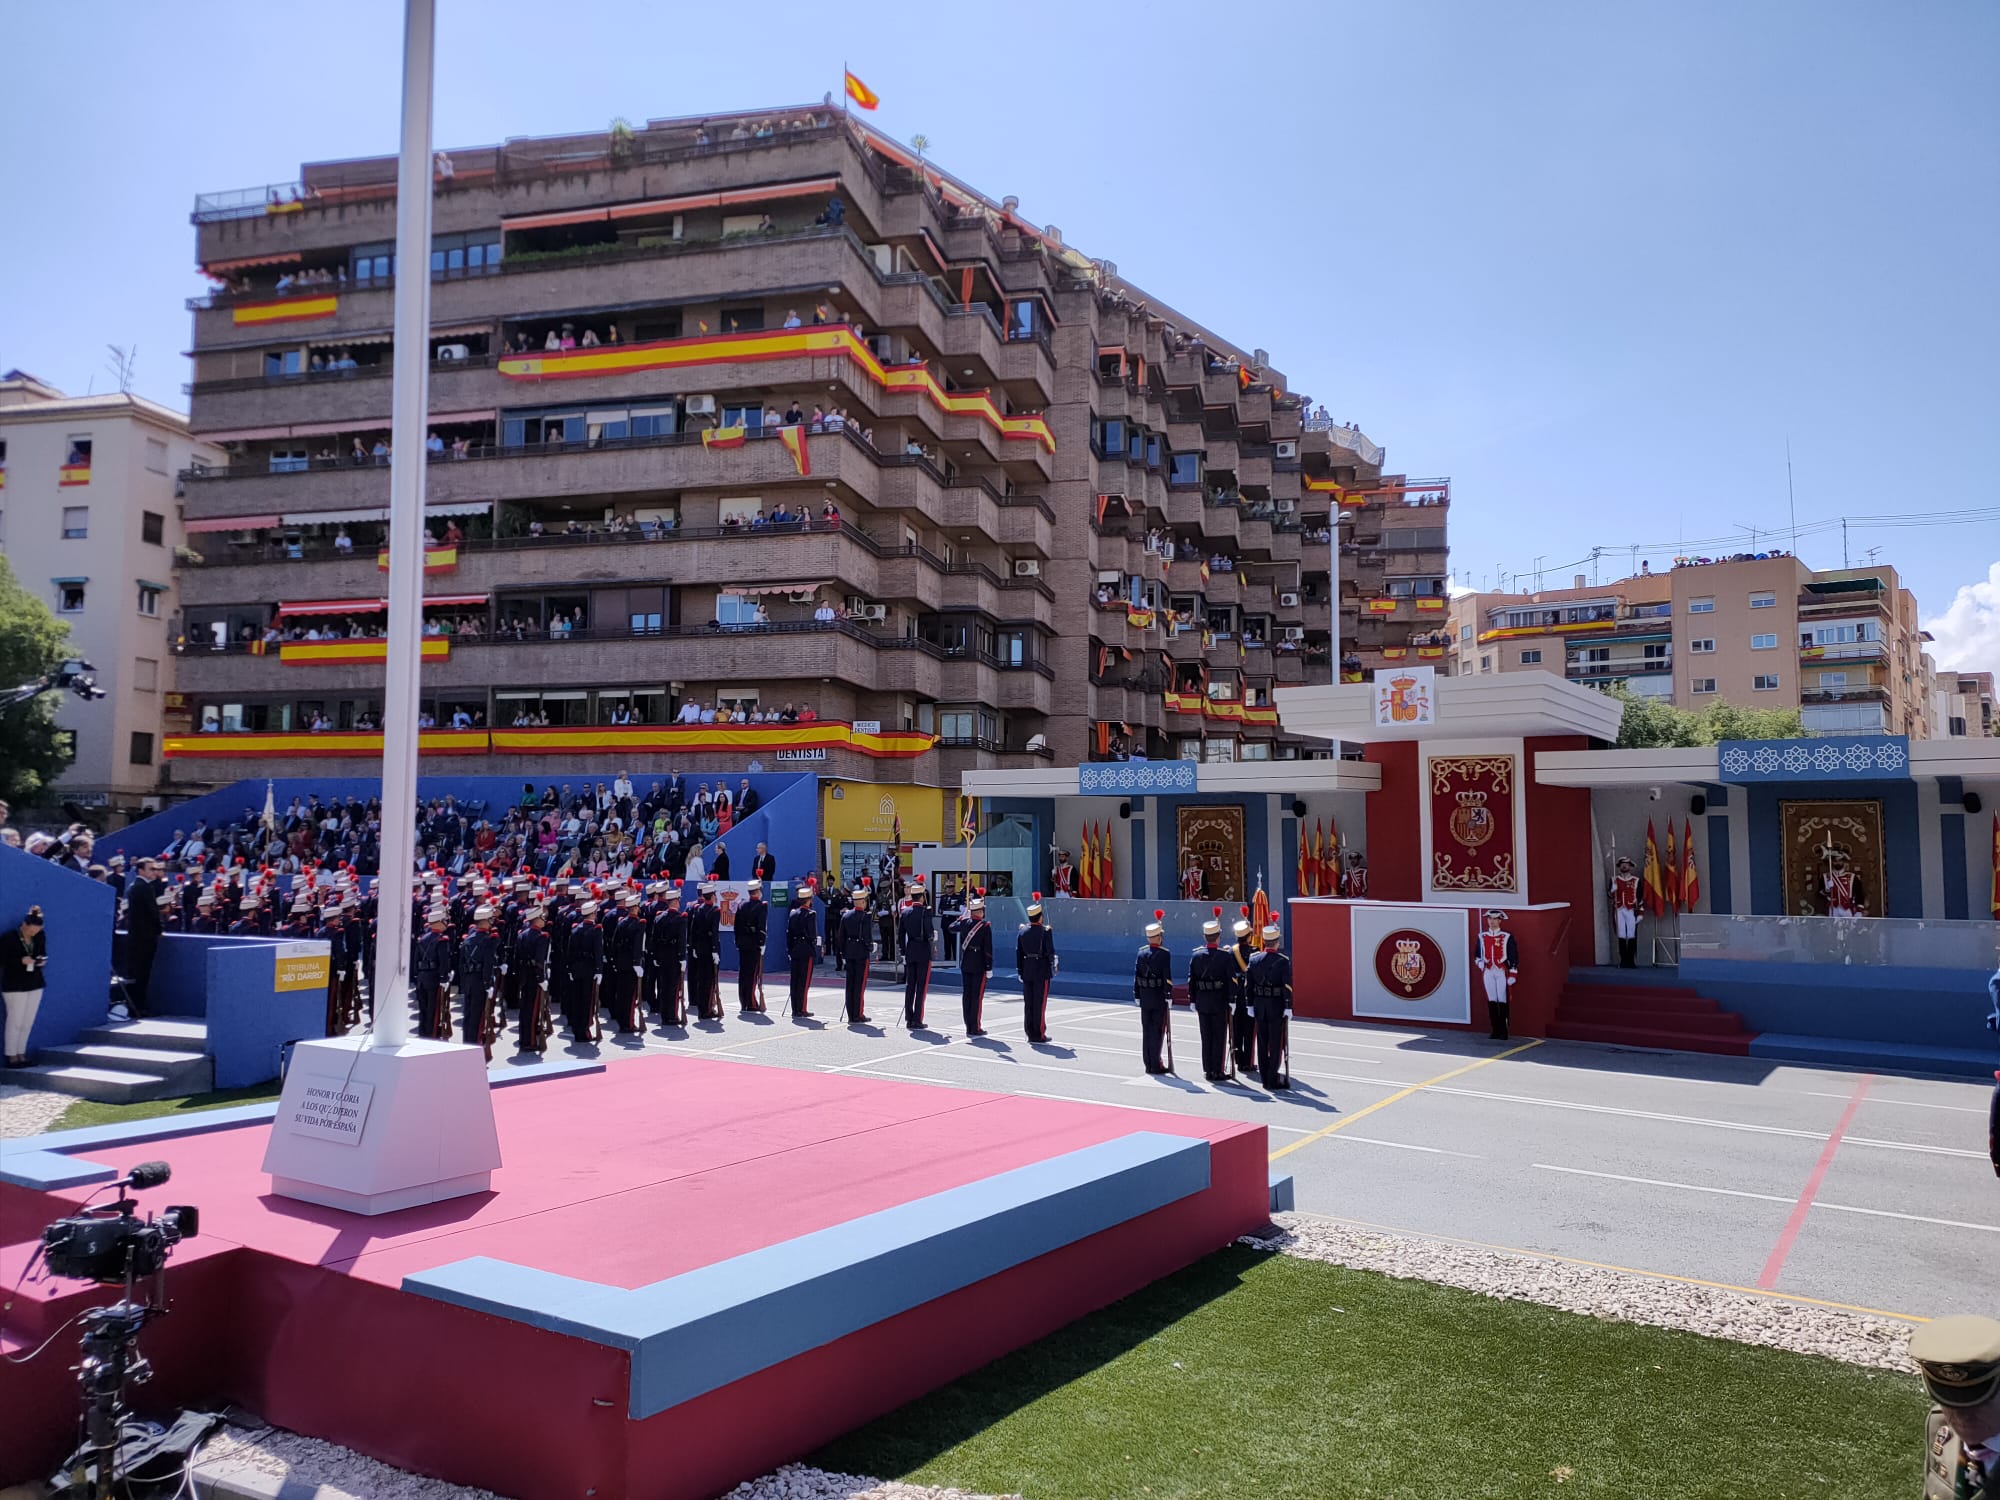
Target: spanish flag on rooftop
{"points": [[861, 94]]}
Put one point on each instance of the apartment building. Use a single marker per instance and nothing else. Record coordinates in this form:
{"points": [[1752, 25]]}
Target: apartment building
{"points": [[755, 436], [1962, 704], [89, 523], [1844, 646]]}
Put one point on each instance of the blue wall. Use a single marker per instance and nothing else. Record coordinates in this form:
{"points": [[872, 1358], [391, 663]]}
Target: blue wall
{"points": [[1902, 853], [228, 981], [80, 913], [1877, 1003], [1951, 848]]}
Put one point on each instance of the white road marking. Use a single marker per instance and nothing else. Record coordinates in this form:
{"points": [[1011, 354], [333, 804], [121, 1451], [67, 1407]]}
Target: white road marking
{"points": [[869, 1063], [1296, 1050], [1961, 1109], [1146, 1109], [1374, 1140], [1839, 1208]]}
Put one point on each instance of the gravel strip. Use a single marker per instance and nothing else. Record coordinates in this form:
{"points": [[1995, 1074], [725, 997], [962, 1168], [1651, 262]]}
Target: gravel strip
{"points": [[26, 1111], [1853, 1338], [797, 1482]]}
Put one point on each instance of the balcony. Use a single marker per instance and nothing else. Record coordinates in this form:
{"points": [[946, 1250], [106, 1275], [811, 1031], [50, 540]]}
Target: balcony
{"points": [[1627, 666], [1347, 439], [1864, 651], [1826, 695]]}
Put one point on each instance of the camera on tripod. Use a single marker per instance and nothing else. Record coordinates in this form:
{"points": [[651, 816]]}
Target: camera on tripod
{"points": [[110, 1243]]}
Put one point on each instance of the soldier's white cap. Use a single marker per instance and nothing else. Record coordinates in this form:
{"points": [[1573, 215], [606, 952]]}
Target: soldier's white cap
{"points": [[251, 903], [1157, 927], [1035, 904], [437, 917], [628, 898], [302, 904], [803, 894], [753, 887], [206, 898], [1272, 933], [350, 904], [434, 878], [1242, 927], [537, 912], [588, 909], [673, 892], [860, 896], [977, 903], [1494, 912], [482, 913], [1213, 926]]}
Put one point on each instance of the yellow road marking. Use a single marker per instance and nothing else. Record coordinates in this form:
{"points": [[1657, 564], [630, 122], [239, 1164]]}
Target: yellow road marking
{"points": [[1361, 1114], [1598, 1265]]}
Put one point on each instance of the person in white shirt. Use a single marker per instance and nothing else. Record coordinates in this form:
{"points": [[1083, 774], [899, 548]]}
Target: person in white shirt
{"points": [[690, 712], [792, 319], [622, 787], [824, 614], [708, 716], [697, 870]]}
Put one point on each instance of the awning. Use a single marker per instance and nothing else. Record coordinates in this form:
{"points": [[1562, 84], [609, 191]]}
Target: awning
{"points": [[69, 580], [672, 205], [378, 513], [147, 583], [219, 267], [230, 523], [321, 429], [353, 340], [453, 330], [748, 590]]}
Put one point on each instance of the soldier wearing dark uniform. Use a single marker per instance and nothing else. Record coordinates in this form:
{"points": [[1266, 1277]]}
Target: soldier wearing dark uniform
{"points": [[1959, 1359], [975, 962], [1153, 988], [625, 962], [1035, 962], [753, 927], [666, 946], [913, 937], [1269, 981], [332, 931], [204, 922], [478, 974], [246, 923], [1242, 1023], [1211, 973], [802, 947], [857, 951], [430, 976], [704, 956], [530, 964], [584, 961]]}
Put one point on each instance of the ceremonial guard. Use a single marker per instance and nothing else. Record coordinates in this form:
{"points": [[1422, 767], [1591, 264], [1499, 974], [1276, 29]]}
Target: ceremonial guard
{"points": [[753, 927], [1065, 874], [478, 974], [1242, 1022], [204, 922], [302, 922], [1035, 962], [507, 925], [1499, 963], [246, 923], [1354, 882], [1269, 980], [913, 937], [625, 960], [332, 932], [1211, 975], [561, 908], [1153, 988], [802, 947], [531, 964], [1844, 895], [666, 946], [705, 955], [1625, 911], [975, 962], [1959, 1359], [857, 949], [584, 960], [430, 976]]}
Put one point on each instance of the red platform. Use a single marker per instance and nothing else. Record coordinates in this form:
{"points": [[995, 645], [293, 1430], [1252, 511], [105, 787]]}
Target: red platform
{"points": [[651, 1169]]}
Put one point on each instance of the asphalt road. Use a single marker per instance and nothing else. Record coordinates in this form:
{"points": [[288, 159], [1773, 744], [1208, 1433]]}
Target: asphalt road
{"points": [[1870, 1191]]}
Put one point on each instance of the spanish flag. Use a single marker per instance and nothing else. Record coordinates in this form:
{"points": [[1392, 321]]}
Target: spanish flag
{"points": [[1670, 873], [1307, 867], [1087, 870], [1650, 879], [794, 439], [1106, 889], [1690, 879], [861, 94], [722, 437]]}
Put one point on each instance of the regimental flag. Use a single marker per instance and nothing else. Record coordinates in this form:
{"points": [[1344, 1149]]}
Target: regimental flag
{"points": [[793, 437], [1260, 913], [1087, 871], [1650, 881], [1670, 873], [861, 94], [1107, 888], [1319, 858], [1307, 868], [1329, 873], [722, 437], [1690, 877]]}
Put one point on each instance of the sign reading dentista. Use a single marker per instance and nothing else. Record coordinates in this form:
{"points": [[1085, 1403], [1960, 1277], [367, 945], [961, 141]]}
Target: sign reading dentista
{"points": [[301, 966], [330, 1109]]}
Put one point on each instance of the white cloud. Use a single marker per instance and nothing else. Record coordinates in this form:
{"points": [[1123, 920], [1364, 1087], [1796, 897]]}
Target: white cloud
{"points": [[1968, 633]]}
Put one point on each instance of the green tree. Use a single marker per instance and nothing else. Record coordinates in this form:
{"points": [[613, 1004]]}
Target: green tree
{"points": [[1651, 722], [33, 643]]}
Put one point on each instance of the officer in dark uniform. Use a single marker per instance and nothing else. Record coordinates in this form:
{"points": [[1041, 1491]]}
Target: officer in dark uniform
{"points": [[704, 955], [430, 976], [1269, 981], [531, 965], [1242, 1023], [1153, 988], [625, 957], [975, 962], [1959, 1359], [246, 923], [914, 937], [802, 947], [478, 973], [584, 959], [753, 927], [332, 931], [666, 946], [204, 922], [857, 951], [1035, 962], [1211, 973]]}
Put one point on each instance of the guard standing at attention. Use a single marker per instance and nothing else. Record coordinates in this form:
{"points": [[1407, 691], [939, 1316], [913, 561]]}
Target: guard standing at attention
{"points": [[857, 949], [913, 937], [1269, 981], [1211, 972], [626, 957], [1242, 1023], [1959, 1359], [1153, 988], [666, 946], [1035, 962], [753, 926], [478, 973], [429, 976], [585, 961], [531, 963], [1499, 966], [975, 962], [705, 955], [1625, 911], [802, 947]]}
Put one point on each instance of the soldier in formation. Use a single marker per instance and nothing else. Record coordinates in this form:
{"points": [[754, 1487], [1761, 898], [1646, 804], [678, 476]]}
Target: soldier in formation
{"points": [[914, 929], [1035, 961], [1153, 988]]}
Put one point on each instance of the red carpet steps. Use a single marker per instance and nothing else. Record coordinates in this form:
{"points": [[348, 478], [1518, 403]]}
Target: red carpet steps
{"points": [[1647, 1015]]}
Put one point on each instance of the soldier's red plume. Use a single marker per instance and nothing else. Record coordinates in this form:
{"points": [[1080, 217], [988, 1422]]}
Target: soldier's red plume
{"points": [[1218, 911], [1245, 910], [1158, 915], [1036, 896]]}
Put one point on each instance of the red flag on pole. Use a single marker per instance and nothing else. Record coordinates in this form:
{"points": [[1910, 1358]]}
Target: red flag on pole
{"points": [[1650, 879], [1306, 867], [1690, 878], [1107, 889]]}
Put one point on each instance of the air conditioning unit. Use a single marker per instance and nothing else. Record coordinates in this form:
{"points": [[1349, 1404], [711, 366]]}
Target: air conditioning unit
{"points": [[856, 604], [1285, 448], [875, 612], [1295, 632], [1289, 601], [1286, 507], [1027, 567], [451, 353], [701, 406], [801, 596]]}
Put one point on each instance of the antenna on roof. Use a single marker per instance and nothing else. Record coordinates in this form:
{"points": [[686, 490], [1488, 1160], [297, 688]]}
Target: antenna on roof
{"points": [[123, 362]]}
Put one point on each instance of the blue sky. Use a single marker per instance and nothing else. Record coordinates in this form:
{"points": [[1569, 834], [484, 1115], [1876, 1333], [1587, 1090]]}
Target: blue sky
{"points": [[1595, 262]]}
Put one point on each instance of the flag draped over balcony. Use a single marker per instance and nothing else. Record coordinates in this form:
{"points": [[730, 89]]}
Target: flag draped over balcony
{"points": [[794, 439], [1690, 877], [722, 437], [1651, 881]]}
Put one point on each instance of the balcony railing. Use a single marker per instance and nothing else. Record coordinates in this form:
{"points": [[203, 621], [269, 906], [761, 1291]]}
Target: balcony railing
{"points": [[1845, 695], [1349, 437]]}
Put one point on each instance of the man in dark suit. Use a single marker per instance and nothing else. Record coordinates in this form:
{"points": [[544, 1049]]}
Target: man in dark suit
{"points": [[142, 934], [705, 955], [1211, 974], [765, 865]]}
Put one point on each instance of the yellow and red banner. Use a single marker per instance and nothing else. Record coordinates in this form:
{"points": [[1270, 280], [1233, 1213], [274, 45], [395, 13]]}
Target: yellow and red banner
{"points": [[337, 653], [1395, 653], [723, 437], [436, 560], [1382, 606], [1690, 878], [793, 437], [830, 341], [73, 474], [1227, 711], [291, 310], [1141, 619], [3, 477], [1652, 881], [1350, 676], [1430, 651], [1574, 627], [306, 745], [1350, 499], [685, 739], [1430, 604], [861, 94], [1182, 703]]}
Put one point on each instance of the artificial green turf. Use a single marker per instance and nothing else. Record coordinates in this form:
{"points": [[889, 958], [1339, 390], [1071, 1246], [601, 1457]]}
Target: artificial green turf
{"points": [[90, 1112], [1269, 1377]]}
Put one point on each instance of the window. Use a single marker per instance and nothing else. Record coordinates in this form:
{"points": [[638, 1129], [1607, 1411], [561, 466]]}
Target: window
{"points": [[1254, 750], [1111, 437], [1763, 599], [1765, 682], [1702, 646], [1187, 749], [280, 364], [1486, 663], [1531, 658], [290, 460], [1023, 319], [1702, 606], [149, 599], [76, 522], [1185, 469], [79, 451], [743, 319], [955, 724], [1597, 655], [749, 417], [156, 456], [1765, 642], [1655, 652], [374, 262], [1833, 679], [1220, 750], [69, 598], [142, 748], [1703, 684], [152, 528], [475, 254]]}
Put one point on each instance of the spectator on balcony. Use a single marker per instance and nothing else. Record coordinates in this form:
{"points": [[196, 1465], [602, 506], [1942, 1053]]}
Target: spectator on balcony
{"points": [[461, 447], [708, 715], [818, 422], [589, 339], [381, 452], [792, 318], [793, 415], [342, 542], [788, 714], [806, 715], [824, 614], [690, 713], [836, 420], [553, 342], [830, 514]]}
